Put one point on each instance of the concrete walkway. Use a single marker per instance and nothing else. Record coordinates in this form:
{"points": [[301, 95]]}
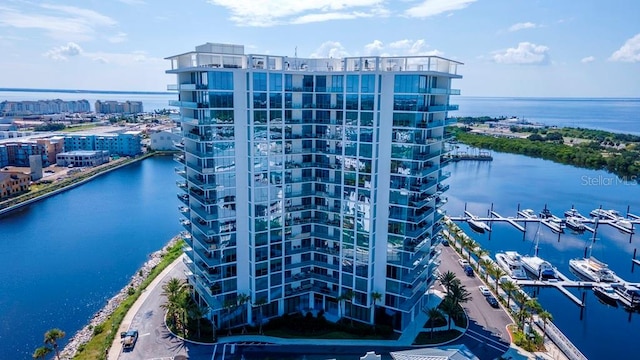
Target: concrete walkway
{"points": [[116, 347]]}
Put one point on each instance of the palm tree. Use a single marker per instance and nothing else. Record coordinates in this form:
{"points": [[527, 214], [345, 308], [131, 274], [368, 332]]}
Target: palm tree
{"points": [[521, 315], [509, 287], [172, 290], [197, 312], [229, 305], [498, 274], [51, 337], [459, 293], [485, 263], [434, 315], [41, 352], [481, 253], [349, 294], [447, 279], [242, 300], [520, 297], [260, 303], [375, 297], [450, 308], [467, 244], [534, 307], [545, 316]]}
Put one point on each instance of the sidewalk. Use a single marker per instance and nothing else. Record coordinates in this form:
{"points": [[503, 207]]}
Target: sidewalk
{"points": [[116, 346]]}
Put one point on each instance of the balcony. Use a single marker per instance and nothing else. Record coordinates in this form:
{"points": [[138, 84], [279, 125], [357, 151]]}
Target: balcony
{"points": [[184, 198]]}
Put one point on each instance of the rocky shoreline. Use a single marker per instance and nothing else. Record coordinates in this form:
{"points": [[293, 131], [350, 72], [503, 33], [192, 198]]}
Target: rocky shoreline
{"points": [[85, 334]]}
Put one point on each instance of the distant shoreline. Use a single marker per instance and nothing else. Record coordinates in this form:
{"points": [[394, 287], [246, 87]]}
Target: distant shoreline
{"points": [[85, 91]]}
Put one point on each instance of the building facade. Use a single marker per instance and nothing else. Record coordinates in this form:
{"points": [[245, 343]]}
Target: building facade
{"points": [[13, 183], [312, 183], [128, 143], [82, 158], [116, 107]]}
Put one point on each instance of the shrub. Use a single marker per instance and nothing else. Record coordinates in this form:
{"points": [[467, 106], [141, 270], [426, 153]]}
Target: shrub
{"points": [[98, 329]]}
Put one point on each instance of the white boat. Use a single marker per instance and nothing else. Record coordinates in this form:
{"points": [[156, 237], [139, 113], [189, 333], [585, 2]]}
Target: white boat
{"points": [[540, 268], [629, 295], [625, 224], [607, 294], [511, 263], [573, 212], [606, 214], [478, 225], [528, 214], [575, 224], [592, 269]]}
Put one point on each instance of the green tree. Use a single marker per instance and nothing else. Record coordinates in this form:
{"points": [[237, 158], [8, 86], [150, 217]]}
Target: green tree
{"points": [[197, 312], [349, 295], [498, 273], [509, 287], [259, 304], [446, 279], [434, 315], [243, 299], [51, 337], [545, 316], [485, 264], [451, 309], [459, 293], [42, 352], [172, 290], [375, 297], [229, 305]]}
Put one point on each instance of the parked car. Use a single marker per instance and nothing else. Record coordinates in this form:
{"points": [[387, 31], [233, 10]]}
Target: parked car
{"points": [[445, 242], [484, 290], [129, 339], [463, 263], [492, 301], [468, 270]]}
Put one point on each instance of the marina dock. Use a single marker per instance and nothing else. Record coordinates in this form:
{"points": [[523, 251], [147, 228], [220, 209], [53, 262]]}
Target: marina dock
{"points": [[555, 223]]}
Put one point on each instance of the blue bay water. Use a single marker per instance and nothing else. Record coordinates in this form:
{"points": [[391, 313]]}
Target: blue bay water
{"points": [[513, 180], [64, 257], [610, 114]]}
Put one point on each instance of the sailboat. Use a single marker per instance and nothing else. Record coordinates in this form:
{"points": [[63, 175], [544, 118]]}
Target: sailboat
{"points": [[591, 268], [540, 268]]}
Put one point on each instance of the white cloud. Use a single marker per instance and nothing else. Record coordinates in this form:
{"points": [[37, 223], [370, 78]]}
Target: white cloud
{"points": [[374, 48], [522, 26], [435, 7], [587, 59], [330, 49], [275, 12], [63, 52], [59, 22], [117, 38], [629, 52], [525, 54]]}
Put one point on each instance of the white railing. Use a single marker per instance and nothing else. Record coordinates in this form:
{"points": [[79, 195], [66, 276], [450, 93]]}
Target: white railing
{"points": [[561, 341]]}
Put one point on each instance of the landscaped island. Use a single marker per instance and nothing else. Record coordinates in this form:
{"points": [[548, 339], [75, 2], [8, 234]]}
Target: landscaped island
{"points": [[588, 148]]}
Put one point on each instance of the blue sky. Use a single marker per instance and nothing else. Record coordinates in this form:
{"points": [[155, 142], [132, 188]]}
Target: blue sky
{"points": [[518, 48]]}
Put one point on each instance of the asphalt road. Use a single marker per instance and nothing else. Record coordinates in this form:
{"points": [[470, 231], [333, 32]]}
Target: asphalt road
{"points": [[486, 337]]}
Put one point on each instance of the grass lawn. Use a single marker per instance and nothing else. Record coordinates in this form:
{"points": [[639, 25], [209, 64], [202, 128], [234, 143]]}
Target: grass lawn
{"points": [[103, 338]]}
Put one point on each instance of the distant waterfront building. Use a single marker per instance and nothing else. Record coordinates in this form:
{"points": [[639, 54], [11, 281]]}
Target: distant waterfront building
{"points": [[35, 164], [312, 183], [13, 183], [164, 140], [52, 147], [41, 107], [116, 107], [18, 153], [82, 158], [124, 144]]}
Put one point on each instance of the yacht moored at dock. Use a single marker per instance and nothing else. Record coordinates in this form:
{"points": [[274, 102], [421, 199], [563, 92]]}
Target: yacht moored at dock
{"points": [[607, 294], [528, 214], [511, 263], [629, 295], [478, 225], [540, 268], [592, 269], [606, 214], [574, 223]]}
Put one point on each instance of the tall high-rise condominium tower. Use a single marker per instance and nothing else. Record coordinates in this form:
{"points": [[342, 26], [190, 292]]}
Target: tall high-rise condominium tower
{"points": [[312, 184]]}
